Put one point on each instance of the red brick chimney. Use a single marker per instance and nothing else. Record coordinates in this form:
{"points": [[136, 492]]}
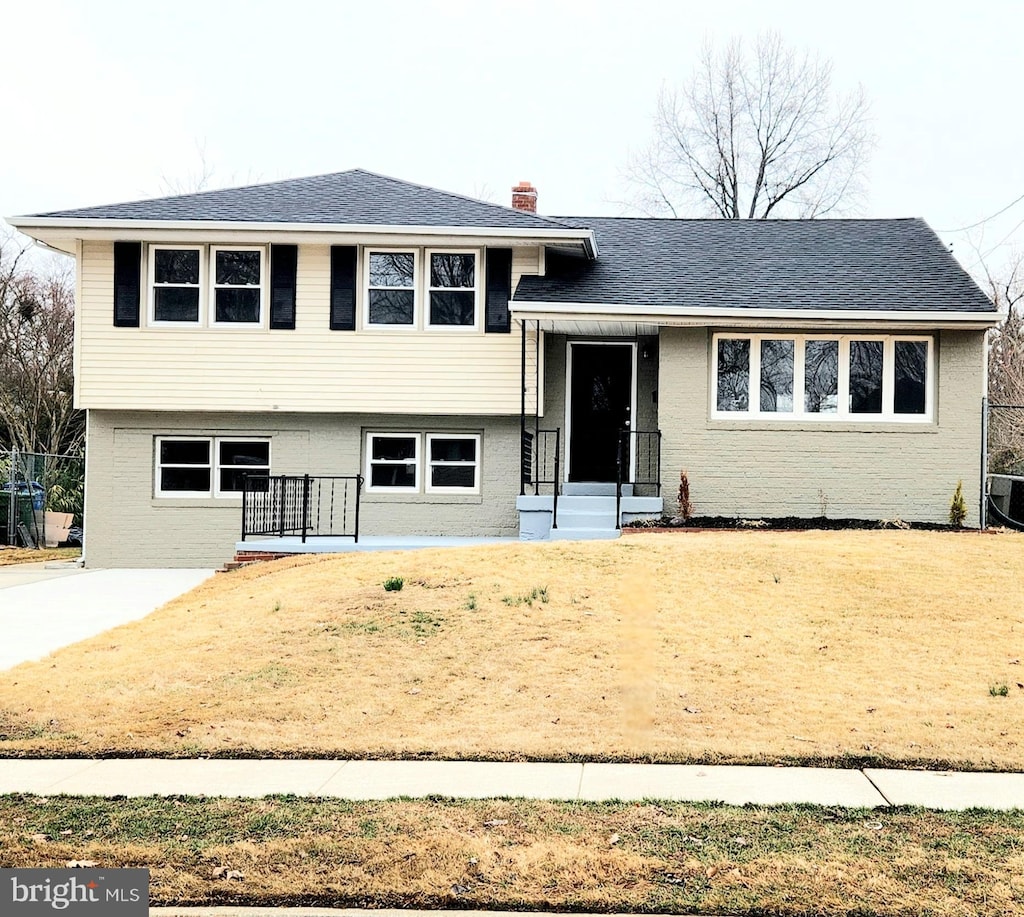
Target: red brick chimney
{"points": [[524, 197]]}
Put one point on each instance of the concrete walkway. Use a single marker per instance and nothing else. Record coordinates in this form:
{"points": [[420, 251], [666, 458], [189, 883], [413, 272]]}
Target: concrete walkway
{"points": [[369, 780], [49, 605]]}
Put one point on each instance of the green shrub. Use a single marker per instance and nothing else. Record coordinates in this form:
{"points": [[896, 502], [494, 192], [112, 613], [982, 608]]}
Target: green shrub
{"points": [[958, 506], [394, 584]]}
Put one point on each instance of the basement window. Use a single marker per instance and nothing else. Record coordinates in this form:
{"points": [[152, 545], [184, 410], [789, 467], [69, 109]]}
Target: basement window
{"points": [[206, 466], [433, 463]]}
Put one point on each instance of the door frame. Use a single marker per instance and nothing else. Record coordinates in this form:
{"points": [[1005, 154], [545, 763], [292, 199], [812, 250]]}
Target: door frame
{"points": [[569, 344]]}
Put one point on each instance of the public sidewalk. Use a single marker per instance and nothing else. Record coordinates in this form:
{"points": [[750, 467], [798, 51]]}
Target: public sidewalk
{"points": [[371, 780]]}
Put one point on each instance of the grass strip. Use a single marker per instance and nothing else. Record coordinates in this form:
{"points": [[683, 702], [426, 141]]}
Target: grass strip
{"points": [[10, 556], [514, 854]]}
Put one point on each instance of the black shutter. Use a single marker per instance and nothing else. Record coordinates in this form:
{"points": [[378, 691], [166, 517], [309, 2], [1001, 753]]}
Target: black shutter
{"points": [[127, 283], [343, 288], [499, 290], [283, 262]]}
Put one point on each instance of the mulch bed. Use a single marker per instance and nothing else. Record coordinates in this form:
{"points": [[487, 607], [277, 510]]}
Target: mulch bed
{"points": [[779, 524]]}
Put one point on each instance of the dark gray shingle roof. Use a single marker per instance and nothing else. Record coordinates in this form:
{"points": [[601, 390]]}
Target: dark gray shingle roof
{"points": [[884, 265], [355, 197]]}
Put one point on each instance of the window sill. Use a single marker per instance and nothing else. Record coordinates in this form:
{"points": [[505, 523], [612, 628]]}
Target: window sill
{"points": [[827, 426], [231, 503], [378, 497]]}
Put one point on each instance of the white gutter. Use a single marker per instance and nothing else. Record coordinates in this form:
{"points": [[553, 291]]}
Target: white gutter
{"points": [[669, 315], [96, 226]]}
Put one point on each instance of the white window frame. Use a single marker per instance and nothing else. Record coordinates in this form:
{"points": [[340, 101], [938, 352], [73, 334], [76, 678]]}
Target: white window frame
{"points": [[152, 286], [370, 461], [475, 289], [214, 466], [214, 286], [158, 465], [843, 414], [218, 466], [417, 297], [429, 464]]}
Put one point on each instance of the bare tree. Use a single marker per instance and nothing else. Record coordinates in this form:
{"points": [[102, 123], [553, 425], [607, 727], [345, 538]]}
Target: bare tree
{"points": [[752, 137], [37, 413], [1006, 369]]}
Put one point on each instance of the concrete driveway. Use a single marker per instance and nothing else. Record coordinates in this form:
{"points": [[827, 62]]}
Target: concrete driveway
{"points": [[46, 606]]}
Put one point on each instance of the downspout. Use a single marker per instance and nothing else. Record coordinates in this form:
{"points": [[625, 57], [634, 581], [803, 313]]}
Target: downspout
{"points": [[522, 409], [983, 508], [536, 383]]}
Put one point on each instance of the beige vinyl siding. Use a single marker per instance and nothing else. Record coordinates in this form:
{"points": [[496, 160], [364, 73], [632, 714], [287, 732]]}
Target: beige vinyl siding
{"points": [[308, 369], [524, 261], [755, 468]]}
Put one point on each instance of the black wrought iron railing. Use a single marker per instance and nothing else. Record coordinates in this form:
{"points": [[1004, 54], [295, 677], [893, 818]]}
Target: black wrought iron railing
{"points": [[304, 505], [541, 464], [637, 462]]}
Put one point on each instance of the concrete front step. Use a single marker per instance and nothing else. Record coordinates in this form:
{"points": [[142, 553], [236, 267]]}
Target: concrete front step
{"points": [[580, 512], [574, 534], [574, 520], [594, 489]]}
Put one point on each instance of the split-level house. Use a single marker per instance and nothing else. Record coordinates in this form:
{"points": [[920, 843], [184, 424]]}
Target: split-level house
{"points": [[472, 361]]}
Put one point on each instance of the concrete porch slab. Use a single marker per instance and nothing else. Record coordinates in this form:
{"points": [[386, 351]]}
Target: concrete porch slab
{"points": [[329, 545]]}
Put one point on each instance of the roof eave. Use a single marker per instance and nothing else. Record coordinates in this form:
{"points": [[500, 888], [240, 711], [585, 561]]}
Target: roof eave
{"points": [[739, 315], [45, 228]]}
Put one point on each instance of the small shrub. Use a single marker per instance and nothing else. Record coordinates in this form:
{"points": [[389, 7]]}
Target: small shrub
{"points": [[471, 602], [394, 584], [822, 503], [958, 506], [999, 691], [685, 506]]}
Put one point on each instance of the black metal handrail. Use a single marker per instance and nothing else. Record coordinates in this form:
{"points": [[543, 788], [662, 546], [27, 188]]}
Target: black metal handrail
{"points": [[304, 505], [637, 462], [542, 464]]}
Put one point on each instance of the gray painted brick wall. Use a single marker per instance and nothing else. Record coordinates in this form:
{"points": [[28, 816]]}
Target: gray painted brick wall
{"points": [[126, 526], [865, 471]]}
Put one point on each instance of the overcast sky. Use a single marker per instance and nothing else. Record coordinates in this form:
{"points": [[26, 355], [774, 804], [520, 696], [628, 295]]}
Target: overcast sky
{"points": [[107, 101]]}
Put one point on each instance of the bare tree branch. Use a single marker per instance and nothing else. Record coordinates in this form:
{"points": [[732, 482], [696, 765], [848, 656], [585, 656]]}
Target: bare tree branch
{"points": [[37, 311], [1006, 368], [753, 136]]}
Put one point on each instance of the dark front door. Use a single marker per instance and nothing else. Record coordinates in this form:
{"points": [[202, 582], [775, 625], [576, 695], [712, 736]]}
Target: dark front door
{"points": [[600, 396]]}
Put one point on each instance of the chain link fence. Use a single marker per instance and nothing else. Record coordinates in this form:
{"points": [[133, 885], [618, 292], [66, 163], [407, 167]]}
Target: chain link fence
{"points": [[42, 498], [1004, 464]]}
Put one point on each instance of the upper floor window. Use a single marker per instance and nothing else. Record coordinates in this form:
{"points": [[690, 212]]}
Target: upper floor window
{"points": [[178, 285], [452, 289], [391, 295], [237, 285], [811, 376], [443, 293]]}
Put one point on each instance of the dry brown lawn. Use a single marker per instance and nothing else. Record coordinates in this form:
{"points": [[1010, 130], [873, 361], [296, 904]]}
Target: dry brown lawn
{"points": [[500, 854], [891, 647], [12, 555]]}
